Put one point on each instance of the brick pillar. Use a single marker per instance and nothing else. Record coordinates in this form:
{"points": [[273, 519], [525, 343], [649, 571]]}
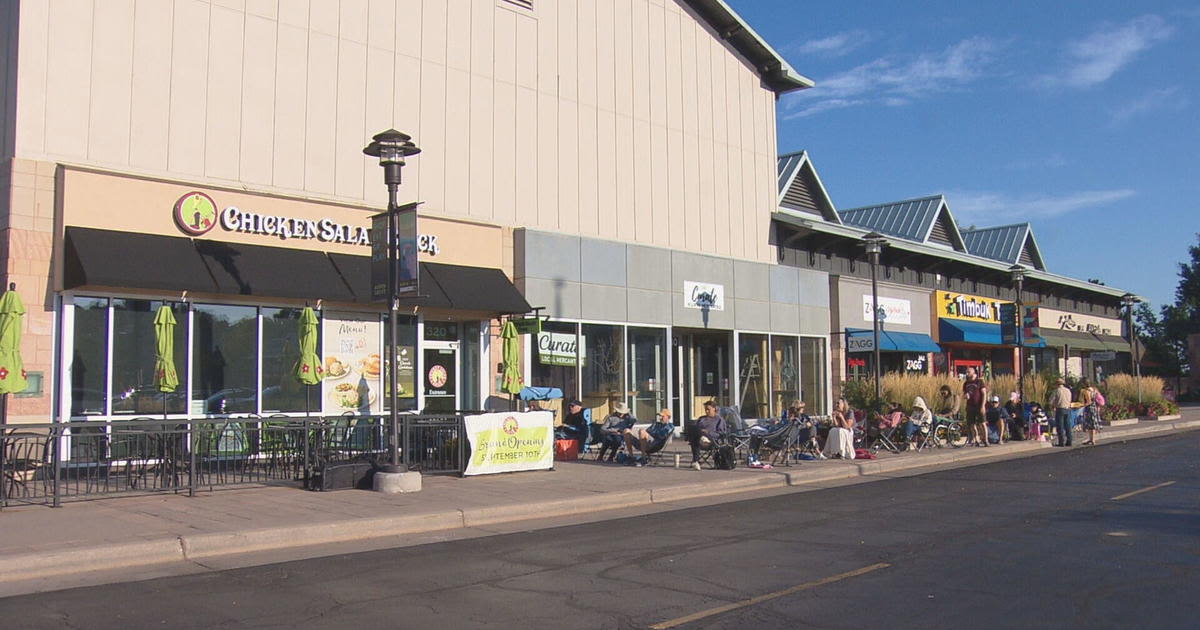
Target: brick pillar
{"points": [[26, 245]]}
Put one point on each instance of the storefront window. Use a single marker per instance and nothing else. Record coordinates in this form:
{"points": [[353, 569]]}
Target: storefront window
{"points": [[134, 351], [225, 359], [785, 372], [812, 374], [468, 395], [89, 362], [648, 371], [281, 391], [752, 376], [603, 367], [555, 358]]}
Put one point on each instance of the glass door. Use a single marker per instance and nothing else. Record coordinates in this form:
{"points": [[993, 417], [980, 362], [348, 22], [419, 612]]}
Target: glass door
{"points": [[441, 382]]}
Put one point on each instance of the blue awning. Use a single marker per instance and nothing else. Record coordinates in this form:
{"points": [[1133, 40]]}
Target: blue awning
{"points": [[961, 330], [890, 341]]}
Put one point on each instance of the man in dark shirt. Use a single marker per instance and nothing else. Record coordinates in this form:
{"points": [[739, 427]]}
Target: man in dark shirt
{"points": [[574, 425], [710, 426], [974, 395], [998, 417]]}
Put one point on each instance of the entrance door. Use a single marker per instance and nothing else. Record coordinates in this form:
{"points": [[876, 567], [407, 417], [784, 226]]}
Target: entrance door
{"points": [[959, 367], [441, 383], [701, 367]]}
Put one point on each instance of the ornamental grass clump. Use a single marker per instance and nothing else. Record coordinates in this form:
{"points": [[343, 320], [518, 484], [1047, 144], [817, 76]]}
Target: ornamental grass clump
{"points": [[1122, 389], [903, 388]]}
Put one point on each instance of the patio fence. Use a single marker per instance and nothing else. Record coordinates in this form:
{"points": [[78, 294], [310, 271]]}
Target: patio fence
{"points": [[55, 462]]}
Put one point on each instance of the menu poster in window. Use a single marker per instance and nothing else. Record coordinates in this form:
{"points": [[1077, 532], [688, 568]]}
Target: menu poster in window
{"points": [[406, 357], [352, 364]]}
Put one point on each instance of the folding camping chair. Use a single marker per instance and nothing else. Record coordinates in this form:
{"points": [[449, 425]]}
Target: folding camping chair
{"points": [[777, 443], [738, 435], [886, 439]]}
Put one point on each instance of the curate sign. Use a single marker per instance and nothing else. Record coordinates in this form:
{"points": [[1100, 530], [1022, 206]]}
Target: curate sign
{"points": [[974, 308], [895, 310], [703, 295], [560, 348], [510, 442]]}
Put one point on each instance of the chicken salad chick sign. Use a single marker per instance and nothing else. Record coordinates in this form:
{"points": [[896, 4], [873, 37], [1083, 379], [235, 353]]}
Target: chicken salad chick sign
{"points": [[196, 214]]}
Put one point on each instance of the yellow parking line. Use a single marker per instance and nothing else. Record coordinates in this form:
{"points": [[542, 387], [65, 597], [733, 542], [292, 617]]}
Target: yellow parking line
{"points": [[1129, 494], [762, 598]]}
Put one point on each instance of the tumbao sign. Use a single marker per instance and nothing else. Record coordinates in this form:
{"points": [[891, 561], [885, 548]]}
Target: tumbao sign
{"points": [[510, 442]]}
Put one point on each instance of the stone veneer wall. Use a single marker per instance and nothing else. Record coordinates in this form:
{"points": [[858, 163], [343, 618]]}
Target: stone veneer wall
{"points": [[27, 203]]}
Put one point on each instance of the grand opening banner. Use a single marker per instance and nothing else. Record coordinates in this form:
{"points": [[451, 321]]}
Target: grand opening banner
{"points": [[510, 442]]}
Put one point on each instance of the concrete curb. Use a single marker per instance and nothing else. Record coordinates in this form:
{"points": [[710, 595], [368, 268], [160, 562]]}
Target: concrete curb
{"points": [[27, 566]]}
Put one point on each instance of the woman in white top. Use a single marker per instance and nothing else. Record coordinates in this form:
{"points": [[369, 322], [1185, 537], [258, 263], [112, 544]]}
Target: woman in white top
{"points": [[840, 442]]}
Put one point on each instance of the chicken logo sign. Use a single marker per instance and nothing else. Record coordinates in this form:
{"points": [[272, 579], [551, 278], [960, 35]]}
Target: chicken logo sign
{"points": [[195, 213]]}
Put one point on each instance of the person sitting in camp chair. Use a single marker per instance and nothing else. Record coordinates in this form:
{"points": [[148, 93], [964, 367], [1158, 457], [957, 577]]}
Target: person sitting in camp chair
{"points": [[650, 440], [613, 430], [574, 425], [704, 432]]}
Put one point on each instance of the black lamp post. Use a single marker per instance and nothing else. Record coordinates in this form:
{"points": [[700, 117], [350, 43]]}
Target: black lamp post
{"points": [[874, 243], [1128, 300], [391, 147], [1018, 278]]}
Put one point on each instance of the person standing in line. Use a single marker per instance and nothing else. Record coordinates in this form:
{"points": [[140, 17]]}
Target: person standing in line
{"points": [[1089, 414], [1060, 405], [975, 395]]}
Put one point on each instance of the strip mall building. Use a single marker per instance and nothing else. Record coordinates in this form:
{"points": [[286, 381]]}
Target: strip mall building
{"points": [[616, 169]]}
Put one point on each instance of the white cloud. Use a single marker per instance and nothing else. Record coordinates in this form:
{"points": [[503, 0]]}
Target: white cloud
{"points": [[833, 46], [896, 81], [1097, 57], [1165, 98], [992, 208]]}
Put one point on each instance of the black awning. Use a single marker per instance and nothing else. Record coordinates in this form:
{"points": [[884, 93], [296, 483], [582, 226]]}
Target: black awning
{"points": [[273, 271], [442, 286], [477, 288], [128, 259]]}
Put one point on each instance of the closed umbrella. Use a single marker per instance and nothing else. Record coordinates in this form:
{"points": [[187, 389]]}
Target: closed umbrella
{"points": [[512, 357], [12, 368], [309, 370], [165, 376]]}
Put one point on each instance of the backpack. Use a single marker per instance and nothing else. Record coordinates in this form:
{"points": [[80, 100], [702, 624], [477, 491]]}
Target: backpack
{"points": [[1099, 399], [724, 458]]}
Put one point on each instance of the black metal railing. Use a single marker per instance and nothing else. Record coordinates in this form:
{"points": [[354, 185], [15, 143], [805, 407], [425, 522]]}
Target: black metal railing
{"points": [[50, 463]]}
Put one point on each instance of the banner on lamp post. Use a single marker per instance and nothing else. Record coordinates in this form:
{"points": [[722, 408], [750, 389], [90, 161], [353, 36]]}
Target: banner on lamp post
{"points": [[406, 269]]}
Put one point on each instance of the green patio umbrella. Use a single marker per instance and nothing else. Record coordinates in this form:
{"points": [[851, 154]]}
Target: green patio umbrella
{"points": [[12, 368], [512, 358], [309, 370], [165, 376]]}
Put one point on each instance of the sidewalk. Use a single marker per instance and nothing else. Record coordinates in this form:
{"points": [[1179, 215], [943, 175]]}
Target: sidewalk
{"points": [[37, 542]]}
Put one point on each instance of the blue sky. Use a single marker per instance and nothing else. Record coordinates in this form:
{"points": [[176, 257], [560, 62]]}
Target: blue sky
{"points": [[1082, 118]]}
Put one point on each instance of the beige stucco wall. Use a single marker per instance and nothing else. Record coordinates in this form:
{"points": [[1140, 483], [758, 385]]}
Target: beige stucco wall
{"points": [[624, 120]]}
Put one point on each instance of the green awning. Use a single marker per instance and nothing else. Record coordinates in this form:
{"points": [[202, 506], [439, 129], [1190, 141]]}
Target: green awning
{"points": [[1084, 341]]}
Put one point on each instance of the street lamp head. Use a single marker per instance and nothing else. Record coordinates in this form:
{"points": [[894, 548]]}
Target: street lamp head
{"points": [[391, 147], [1017, 272], [1129, 299], [874, 243]]}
